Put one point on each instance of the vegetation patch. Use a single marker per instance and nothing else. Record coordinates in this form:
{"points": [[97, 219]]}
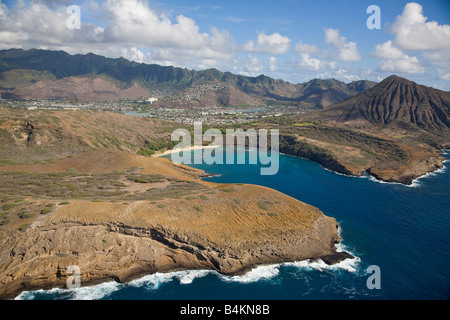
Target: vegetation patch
{"points": [[24, 227], [150, 148], [46, 210], [264, 204], [198, 208], [100, 187]]}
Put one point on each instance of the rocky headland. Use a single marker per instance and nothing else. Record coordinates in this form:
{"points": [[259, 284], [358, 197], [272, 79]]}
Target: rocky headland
{"points": [[161, 218]]}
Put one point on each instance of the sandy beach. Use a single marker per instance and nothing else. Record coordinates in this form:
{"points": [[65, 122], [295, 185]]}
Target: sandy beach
{"points": [[167, 152]]}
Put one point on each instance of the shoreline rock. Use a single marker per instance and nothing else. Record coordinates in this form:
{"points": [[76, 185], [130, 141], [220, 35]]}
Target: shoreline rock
{"points": [[47, 271], [429, 166], [229, 228], [336, 258]]}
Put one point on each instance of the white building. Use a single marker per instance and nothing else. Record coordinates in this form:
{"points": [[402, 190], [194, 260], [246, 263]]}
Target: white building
{"points": [[151, 100]]}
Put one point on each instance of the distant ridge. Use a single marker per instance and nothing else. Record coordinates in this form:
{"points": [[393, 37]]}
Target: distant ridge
{"points": [[322, 93], [395, 102], [42, 74]]}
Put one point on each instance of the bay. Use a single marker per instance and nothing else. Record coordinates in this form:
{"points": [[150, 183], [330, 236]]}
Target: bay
{"points": [[404, 230]]}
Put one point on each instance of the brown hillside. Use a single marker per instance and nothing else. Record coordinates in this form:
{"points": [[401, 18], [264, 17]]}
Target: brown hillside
{"points": [[35, 135], [84, 89], [395, 102], [126, 222]]}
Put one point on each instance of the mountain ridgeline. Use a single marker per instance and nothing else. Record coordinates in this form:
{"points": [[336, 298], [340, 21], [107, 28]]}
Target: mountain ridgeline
{"points": [[47, 74], [395, 102]]}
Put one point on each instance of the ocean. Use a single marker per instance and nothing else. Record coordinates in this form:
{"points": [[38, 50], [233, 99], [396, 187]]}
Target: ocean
{"points": [[403, 230]]}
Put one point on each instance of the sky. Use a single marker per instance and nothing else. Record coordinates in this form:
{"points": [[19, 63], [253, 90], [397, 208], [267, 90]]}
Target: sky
{"points": [[292, 40]]}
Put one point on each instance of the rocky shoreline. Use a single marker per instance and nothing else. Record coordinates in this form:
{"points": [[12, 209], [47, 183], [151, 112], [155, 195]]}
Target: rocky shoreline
{"points": [[221, 227], [39, 258], [404, 175], [229, 228]]}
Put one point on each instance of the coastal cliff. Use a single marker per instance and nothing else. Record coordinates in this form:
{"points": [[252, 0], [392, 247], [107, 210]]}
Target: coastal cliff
{"points": [[400, 162], [137, 231]]}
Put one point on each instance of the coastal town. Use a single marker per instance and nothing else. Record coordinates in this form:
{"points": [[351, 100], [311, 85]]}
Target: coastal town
{"points": [[169, 111]]}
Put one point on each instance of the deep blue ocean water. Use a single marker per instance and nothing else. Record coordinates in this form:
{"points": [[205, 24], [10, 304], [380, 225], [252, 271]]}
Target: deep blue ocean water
{"points": [[404, 230]]}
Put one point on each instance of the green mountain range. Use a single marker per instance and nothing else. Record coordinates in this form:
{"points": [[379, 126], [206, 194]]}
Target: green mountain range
{"points": [[56, 74]]}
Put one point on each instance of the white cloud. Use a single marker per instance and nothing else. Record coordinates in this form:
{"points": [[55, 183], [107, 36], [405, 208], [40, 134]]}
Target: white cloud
{"points": [[444, 75], [325, 59], [270, 44], [133, 54], [306, 48], [207, 64], [407, 64], [249, 65], [127, 25], [347, 75], [347, 51], [273, 64], [395, 60], [413, 32], [36, 25], [133, 22], [254, 65], [388, 51], [308, 63], [442, 60], [330, 64]]}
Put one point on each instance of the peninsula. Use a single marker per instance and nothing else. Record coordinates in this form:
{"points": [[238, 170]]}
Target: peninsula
{"points": [[118, 216]]}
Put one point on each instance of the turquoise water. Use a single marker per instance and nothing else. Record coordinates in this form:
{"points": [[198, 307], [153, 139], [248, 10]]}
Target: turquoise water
{"points": [[402, 230]]}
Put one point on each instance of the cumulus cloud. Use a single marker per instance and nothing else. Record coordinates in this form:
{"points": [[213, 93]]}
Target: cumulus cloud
{"points": [[387, 50], [407, 64], [442, 60], [270, 44], [254, 65], [133, 54], [346, 51], [347, 75], [273, 64], [37, 25], [309, 63], [127, 25], [413, 32], [134, 22], [395, 60], [247, 65], [306, 48], [314, 59]]}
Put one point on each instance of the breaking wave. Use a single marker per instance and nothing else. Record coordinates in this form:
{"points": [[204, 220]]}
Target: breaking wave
{"points": [[155, 281]]}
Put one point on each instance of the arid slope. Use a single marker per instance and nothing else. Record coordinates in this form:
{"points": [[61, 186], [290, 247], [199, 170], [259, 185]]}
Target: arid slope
{"points": [[393, 131], [139, 215]]}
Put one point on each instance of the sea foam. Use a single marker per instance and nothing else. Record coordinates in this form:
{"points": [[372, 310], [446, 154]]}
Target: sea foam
{"points": [[416, 182], [84, 293], [256, 274], [155, 281]]}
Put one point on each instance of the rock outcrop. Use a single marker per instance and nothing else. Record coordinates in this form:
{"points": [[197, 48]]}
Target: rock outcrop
{"points": [[227, 228]]}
